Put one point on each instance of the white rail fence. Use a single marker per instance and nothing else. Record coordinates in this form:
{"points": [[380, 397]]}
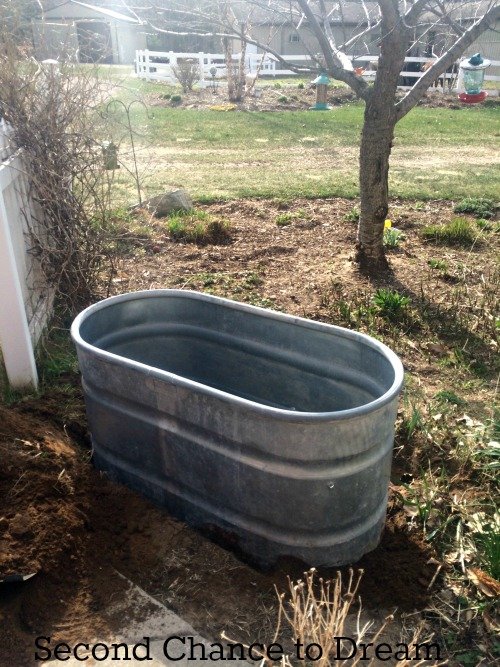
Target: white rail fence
{"points": [[158, 66], [25, 299]]}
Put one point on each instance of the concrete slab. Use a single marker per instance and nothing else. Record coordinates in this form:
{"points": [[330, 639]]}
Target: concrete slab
{"points": [[147, 625]]}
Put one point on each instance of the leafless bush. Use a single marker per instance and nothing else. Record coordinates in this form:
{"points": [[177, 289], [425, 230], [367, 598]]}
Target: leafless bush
{"points": [[320, 614], [319, 611], [187, 73], [54, 115]]}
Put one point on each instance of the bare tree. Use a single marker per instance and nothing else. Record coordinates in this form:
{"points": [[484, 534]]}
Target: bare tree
{"points": [[393, 27], [235, 70]]}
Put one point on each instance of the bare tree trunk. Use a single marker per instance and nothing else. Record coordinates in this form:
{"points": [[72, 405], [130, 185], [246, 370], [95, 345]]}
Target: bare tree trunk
{"points": [[231, 79], [376, 139], [235, 71], [242, 72], [376, 144]]}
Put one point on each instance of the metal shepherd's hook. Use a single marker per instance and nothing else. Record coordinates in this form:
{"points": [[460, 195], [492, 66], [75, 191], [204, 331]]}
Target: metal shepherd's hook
{"points": [[127, 108]]}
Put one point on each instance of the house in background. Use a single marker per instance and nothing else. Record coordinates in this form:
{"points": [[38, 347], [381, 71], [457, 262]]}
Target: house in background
{"points": [[88, 33], [106, 31], [275, 25], [346, 20], [350, 18]]}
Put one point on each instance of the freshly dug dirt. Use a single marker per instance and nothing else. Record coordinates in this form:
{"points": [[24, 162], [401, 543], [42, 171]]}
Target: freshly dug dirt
{"points": [[37, 481], [64, 521]]}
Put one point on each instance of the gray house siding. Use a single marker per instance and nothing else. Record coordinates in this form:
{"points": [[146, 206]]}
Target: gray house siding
{"points": [[285, 42], [77, 30]]}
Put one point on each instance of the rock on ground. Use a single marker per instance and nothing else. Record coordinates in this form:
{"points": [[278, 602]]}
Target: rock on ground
{"points": [[169, 202]]}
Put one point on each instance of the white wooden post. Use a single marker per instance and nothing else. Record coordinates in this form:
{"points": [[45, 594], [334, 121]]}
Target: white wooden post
{"points": [[201, 66], [15, 338]]}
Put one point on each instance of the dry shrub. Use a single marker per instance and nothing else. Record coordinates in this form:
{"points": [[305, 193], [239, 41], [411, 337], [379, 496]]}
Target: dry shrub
{"points": [[318, 611], [187, 73], [53, 111], [236, 74]]}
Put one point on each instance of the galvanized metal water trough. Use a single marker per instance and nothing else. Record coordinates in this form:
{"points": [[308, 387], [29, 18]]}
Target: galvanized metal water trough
{"points": [[274, 428]]}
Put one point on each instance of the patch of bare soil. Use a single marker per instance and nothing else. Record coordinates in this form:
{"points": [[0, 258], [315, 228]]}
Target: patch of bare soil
{"points": [[286, 97], [291, 255]]}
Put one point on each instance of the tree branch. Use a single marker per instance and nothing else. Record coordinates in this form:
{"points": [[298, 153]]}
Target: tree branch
{"points": [[366, 32], [328, 49], [446, 60], [335, 60], [393, 47], [414, 12], [445, 16], [389, 10]]}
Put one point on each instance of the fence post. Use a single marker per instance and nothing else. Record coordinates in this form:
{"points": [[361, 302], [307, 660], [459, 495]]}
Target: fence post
{"points": [[201, 61], [15, 337]]}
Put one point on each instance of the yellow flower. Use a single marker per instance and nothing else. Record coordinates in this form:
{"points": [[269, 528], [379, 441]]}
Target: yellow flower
{"points": [[387, 224]]}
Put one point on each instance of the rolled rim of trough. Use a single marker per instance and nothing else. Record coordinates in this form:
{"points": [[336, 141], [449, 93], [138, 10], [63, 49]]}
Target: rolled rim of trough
{"points": [[290, 415]]}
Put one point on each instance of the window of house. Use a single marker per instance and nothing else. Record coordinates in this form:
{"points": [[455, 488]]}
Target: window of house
{"points": [[294, 38]]}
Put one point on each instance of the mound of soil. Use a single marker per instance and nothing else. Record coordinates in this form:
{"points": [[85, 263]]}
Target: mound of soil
{"points": [[40, 518], [64, 521]]}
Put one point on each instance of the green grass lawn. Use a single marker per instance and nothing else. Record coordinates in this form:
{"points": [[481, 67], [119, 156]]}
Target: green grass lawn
{"points": [[438, 153]]}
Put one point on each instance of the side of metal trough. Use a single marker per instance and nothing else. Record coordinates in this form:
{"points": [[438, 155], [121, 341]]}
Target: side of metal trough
{"points": [[276, 429]]}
